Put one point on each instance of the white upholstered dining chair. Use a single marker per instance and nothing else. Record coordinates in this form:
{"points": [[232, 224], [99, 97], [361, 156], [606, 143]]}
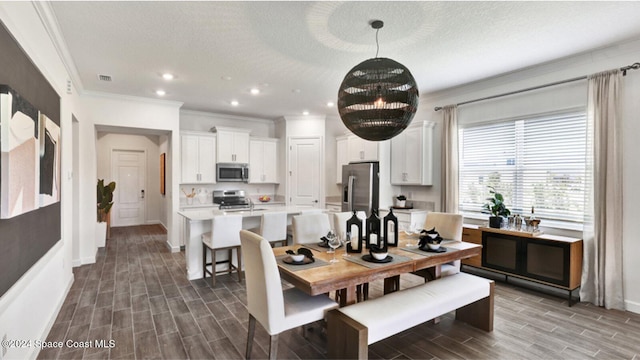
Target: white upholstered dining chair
{"points": [[273, 227], [449, 226], [276, 310], [309, 228]]}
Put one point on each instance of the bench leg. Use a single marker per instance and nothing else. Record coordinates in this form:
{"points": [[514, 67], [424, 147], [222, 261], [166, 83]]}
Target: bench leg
{"points": [[347, 338], [480, 313]]}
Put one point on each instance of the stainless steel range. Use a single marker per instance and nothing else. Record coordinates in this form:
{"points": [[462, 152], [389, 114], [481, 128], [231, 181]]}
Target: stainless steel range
{"points": [[231, 199]]}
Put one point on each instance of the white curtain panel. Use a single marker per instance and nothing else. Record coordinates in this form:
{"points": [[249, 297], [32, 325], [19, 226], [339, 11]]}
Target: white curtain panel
{"points": [[449, 180], [602, 264]]}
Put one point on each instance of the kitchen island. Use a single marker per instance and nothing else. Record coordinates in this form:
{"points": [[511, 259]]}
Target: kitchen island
{"points": [[198, 221]]}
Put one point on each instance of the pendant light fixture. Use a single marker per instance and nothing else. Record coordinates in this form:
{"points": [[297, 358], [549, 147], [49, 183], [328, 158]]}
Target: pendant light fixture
{"points": [[378, 97]]}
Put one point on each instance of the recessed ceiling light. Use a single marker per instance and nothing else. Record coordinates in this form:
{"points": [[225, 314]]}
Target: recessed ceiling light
{"points": [[227, 78], [167, 76], [255, 91], [305, 112], [234, 103], [330, 104], [160, 92], [296, 91]]}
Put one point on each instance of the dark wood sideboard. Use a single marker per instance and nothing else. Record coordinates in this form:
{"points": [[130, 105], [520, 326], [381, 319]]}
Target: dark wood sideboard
{"points": [[547, 259]]}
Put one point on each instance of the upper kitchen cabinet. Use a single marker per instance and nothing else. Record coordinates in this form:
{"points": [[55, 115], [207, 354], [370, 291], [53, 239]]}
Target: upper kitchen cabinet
{"points": [[233, 145], [198, 157], [361, 150], [263, 161], [412, 155], [342, 157]]}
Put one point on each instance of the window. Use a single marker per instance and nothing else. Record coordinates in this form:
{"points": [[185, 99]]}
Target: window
{"points": [[539, 162]]}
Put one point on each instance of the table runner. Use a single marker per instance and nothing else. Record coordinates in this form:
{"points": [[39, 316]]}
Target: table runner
{"points": [[291, 267], [357, 258]]}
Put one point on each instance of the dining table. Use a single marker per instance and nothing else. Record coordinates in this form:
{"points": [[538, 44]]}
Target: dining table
{"points": [[323, 276]]}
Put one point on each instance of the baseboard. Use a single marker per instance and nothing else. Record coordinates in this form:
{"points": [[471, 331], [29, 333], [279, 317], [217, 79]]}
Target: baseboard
{"points": [[632, 306], [53, 318], [157, 222], [88, 260], [172, 248]]}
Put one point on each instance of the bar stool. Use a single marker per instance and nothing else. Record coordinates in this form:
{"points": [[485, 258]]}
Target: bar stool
{"points": [[273, 227], [224, 235]]}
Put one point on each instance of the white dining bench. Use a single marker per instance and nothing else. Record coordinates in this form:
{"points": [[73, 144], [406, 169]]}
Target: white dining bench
{"points": [[351, 329]]}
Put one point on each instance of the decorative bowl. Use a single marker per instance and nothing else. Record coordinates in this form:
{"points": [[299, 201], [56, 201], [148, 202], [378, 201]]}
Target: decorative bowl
{"points": [[297, 257], [433, 246], [379, 256], [264, 198]]}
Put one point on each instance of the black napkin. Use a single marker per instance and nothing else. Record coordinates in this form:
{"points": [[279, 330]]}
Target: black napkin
{"points": [[426, 239]]}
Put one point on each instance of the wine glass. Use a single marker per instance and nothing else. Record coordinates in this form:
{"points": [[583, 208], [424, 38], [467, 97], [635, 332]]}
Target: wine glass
{"points": [[330, 235], [334, 243], [346, 239], [409, 229]]}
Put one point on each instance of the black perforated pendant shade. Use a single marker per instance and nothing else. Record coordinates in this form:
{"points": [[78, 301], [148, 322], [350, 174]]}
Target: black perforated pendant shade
{"points": [[378, 99]]}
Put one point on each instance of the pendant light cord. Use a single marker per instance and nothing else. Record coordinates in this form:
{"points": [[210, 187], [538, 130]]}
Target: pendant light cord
{"points": [[377, 45]]}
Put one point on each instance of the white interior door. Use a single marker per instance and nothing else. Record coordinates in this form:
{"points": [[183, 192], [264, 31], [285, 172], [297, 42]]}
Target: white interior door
{"points": [[305, 169], [128, 171]]}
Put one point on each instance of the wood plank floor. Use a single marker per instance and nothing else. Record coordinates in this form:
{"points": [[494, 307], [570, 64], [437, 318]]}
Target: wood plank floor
{"points": [[137, 294]]}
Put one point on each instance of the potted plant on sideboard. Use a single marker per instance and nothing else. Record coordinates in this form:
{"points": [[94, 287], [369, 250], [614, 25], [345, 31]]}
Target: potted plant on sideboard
{"points": [[496, 207], [105, 202], [401, 201]]}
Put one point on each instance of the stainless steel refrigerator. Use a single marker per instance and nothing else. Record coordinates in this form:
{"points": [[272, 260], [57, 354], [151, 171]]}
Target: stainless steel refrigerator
{"points": [[361, 186]]}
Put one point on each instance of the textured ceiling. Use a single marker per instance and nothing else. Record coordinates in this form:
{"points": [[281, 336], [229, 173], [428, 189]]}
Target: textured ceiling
{"points": [[297, 53]]}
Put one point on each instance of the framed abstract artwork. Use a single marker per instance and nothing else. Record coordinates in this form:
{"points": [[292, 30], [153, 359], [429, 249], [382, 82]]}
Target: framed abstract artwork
{"points": [[29, 156], [162, 173], [19, 155]]}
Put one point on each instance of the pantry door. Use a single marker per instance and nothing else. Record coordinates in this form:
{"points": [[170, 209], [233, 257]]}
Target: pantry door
{"points": [[128, 171], [305, 172]]}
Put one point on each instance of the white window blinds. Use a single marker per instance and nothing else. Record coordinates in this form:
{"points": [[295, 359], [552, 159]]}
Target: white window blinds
{"points": [[537, 161]]}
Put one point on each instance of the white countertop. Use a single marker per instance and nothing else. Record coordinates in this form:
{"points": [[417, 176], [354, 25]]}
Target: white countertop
{"points": [[210, 213], [406, 211]]}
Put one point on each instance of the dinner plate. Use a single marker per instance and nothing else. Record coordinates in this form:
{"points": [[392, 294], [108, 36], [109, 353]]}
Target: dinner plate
{"points": [[369, 258], [289, 260], [441, 249]]}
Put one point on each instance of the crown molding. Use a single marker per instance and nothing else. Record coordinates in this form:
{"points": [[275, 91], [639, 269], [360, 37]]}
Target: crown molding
{"points": [[99, 94], [224, 116], [50, 23]]}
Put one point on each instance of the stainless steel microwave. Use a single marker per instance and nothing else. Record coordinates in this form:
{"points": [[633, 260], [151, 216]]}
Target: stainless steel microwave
{"points": [[232, 172]]}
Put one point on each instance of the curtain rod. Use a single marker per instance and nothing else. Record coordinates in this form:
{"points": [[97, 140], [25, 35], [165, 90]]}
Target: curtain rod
{"points": [[634, 66]]}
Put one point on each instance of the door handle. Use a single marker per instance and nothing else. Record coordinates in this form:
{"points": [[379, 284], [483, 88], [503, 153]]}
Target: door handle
{"points": [[315, 201], [142, 194]]}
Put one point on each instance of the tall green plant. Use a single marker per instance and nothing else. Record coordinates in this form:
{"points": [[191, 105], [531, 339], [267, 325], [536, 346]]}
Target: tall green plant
{"points": [[105, 199], [495, 204]]}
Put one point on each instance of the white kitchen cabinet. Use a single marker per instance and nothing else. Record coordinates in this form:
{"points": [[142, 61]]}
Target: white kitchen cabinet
{"points": [[412, 155], [263, 161], [198, 158], [407, 219], [342, 157], [233, 145], [359, 149]]}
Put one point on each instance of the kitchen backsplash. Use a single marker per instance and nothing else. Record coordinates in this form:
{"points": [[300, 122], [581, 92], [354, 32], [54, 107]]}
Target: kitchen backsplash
{"points": [[204, 192]]}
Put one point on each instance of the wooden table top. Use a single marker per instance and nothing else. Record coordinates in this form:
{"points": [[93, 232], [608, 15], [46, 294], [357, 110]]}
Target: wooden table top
{"points": [[345, 274]]}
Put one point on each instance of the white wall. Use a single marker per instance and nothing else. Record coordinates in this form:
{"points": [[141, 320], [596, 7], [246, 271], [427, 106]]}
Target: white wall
{"points": [[584, 64], [28, 309], [107, 142], [204, 121]]}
